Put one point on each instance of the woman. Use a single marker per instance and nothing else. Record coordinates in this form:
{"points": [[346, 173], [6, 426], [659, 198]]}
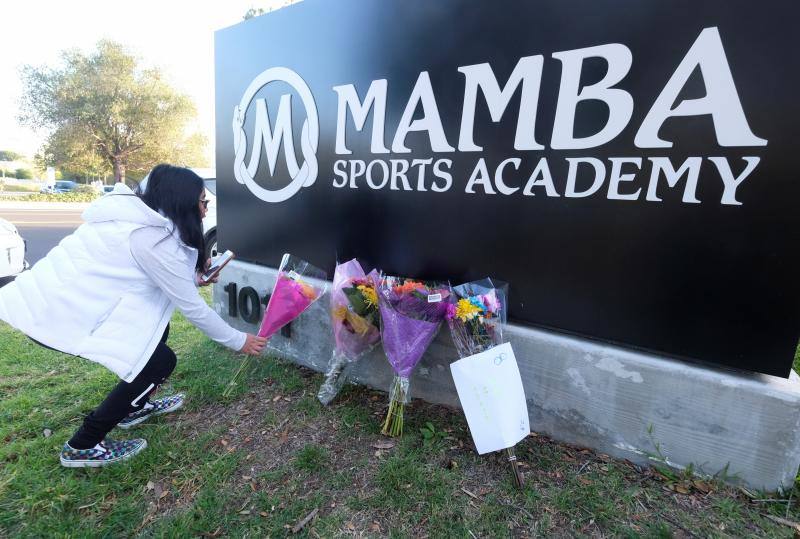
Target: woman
{"points": [[107, 293]]}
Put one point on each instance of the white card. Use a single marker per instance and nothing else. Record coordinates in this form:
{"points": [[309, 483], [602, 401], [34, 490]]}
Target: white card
{"points": [[491, 393]]}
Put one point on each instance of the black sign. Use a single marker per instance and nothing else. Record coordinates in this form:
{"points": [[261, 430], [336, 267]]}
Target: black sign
{"points": [[628, 167]]}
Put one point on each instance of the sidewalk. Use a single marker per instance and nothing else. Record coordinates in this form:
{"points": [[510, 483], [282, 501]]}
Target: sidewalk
{"points": [[25, 205]]}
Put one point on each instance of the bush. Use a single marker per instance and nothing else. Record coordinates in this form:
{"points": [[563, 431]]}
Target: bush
{"points": [[24, 174], [62, 197]]}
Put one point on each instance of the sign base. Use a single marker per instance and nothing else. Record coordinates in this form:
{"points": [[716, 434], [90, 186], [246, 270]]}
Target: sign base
{"points": [[628, 404]]}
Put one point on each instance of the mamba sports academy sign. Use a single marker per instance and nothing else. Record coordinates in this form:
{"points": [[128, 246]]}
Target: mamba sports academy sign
{"points": [[628, 168], [721, 103]]}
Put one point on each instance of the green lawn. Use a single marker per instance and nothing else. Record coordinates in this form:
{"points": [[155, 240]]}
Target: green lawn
{"points": [[18, 188], [263, 461]]}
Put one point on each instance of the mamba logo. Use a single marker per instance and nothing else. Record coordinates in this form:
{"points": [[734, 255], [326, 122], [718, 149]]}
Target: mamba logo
{"points": [[301, 176]]}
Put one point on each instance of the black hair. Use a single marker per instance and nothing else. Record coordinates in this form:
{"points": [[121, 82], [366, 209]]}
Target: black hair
{"points": [[175, 192]]}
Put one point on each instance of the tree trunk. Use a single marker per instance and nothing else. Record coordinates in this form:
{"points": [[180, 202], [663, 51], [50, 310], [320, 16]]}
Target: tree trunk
{"points": [[119, 170]]}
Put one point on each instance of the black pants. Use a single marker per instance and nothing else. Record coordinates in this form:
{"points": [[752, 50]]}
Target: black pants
{"points": [[126, 397]]}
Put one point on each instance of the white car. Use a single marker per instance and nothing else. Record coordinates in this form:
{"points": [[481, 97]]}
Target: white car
{"points": [[12, 250], [210, 221]]}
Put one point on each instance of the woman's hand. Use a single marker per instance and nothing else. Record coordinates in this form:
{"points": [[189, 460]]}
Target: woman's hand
{"points": [[201, 282], [199, 276], [253, 345]]}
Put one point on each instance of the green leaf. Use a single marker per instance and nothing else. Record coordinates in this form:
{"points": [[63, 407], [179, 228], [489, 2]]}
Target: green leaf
{"points": [[357, 301]]}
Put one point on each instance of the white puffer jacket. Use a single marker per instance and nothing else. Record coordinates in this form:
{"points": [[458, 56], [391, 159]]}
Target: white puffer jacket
{"points": [[107, 291]]}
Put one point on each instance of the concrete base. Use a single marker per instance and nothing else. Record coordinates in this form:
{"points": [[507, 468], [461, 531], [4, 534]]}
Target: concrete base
{"points": [[625, 403]]}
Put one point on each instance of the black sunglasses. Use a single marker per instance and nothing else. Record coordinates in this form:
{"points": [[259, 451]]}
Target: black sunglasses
{"points": [[204, 203]]}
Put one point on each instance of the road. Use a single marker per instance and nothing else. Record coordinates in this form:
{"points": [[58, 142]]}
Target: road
{"points": [[42, 228]]}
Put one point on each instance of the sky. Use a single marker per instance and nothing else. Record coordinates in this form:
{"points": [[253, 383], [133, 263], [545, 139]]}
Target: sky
{"points": [[175, 35]]}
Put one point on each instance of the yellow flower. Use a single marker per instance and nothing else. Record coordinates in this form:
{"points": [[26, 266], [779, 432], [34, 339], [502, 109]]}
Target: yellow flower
{"points": [[340, 312], [369, 294], [356, 323], [465, 310], [359, 325]]}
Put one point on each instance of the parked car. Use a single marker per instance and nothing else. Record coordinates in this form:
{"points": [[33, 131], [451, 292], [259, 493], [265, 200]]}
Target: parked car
{"points": [[64, 186], [12, 250], [107, 188]]}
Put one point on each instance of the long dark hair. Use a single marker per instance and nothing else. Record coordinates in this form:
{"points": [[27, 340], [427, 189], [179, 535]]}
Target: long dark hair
{"points": [[175, 192]]}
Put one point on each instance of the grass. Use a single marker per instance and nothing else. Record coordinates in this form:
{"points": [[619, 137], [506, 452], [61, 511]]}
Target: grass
{"points": [[312, 458], [259, 463]]}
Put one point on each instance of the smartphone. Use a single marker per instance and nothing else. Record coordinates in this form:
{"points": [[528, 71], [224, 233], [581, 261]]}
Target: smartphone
{"points": [[216, 266]]}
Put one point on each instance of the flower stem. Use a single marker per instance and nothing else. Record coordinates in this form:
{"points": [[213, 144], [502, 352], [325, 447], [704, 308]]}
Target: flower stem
{"points": [[334, 380], [512, 459], [243, 366], [385, 429], [393, 425]]}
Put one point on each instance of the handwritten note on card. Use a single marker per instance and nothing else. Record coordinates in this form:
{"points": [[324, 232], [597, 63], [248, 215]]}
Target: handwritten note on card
{"points": [[491, 393]]}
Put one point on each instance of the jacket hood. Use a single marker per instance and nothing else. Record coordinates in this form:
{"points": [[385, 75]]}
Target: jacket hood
{"points": [[122, 204]]}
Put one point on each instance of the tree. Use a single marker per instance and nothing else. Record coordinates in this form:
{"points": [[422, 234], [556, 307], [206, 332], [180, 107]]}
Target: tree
{"points": [[7, 155], [253, 12], [24, 173], [257, 12], [104, 113]]}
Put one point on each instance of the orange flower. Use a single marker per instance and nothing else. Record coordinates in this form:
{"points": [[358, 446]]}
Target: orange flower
{"points": [[409, 286], [307, 290]]}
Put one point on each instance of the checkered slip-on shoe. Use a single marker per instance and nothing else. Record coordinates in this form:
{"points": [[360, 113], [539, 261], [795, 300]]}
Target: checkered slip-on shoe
{"points": [[106, 452], [156, 407]]}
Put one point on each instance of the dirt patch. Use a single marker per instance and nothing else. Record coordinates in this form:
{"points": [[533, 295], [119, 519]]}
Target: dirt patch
{"points": [[292, 450]]}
